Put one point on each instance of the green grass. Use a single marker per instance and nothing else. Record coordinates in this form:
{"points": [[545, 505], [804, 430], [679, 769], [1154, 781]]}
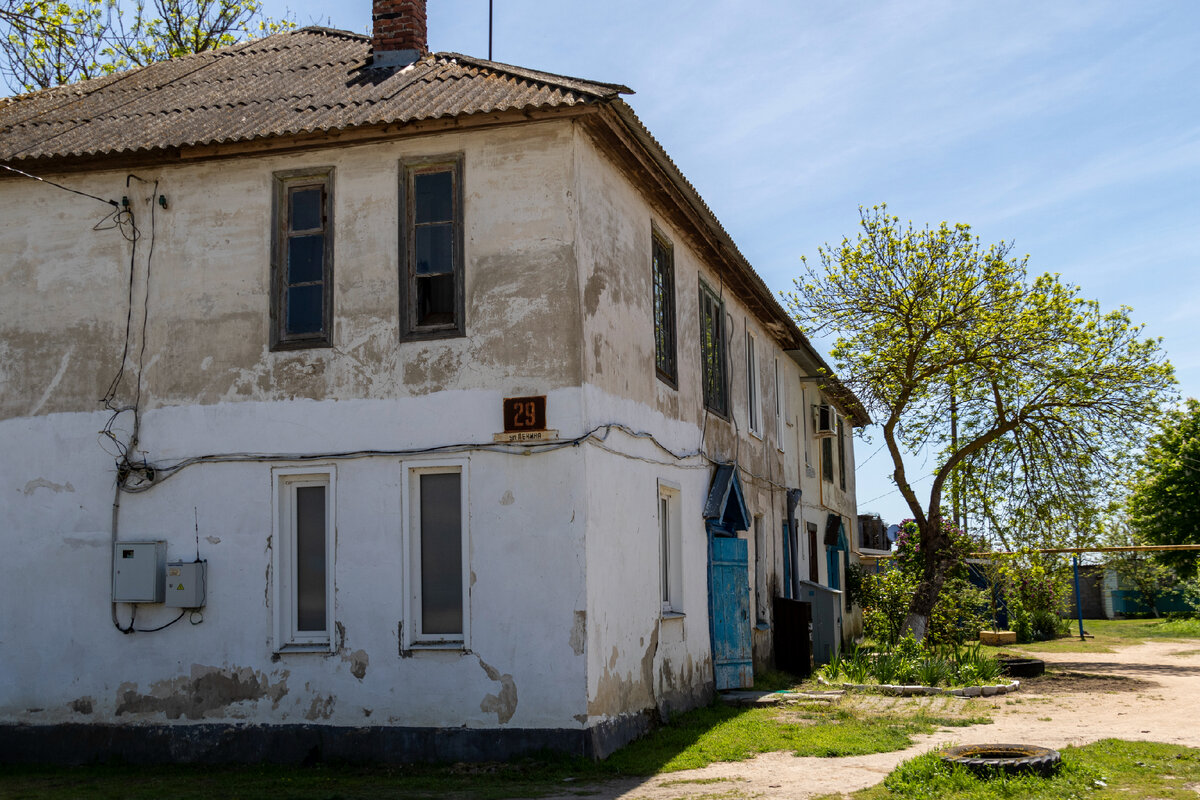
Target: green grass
{"points": [[695, 739], [1109, 634], [1099, 771]]}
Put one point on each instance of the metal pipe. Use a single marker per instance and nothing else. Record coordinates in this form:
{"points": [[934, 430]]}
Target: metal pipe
{"points": [[1078, 600]]}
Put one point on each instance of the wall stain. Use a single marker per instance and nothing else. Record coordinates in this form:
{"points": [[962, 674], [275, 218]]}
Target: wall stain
{"points": [[42, 483], [83, 705], [207, 689], [593, 290], [504, 704], [507, 499], [579, 633]]}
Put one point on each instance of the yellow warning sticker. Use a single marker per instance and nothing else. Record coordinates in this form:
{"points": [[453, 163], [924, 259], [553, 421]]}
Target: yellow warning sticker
{"points": [[179, 587]]}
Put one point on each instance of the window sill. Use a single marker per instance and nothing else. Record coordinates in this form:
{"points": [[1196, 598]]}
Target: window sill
{"points": [[301, 344], [671, 615], [756, 434], [425, 334], [319, 647], [460, 647]]}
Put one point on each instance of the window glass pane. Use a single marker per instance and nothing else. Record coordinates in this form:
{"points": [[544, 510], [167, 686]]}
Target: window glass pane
{"points": [[306, 208], [434, 196], [664, 524], [304, 312], [306, 258], [435, 300], [435, 249], [441, 554], [310, 558], [664, 311]]}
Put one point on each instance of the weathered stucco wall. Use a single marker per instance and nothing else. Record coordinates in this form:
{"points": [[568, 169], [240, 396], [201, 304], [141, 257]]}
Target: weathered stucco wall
{"points": [[207, 334], [211, 385]]}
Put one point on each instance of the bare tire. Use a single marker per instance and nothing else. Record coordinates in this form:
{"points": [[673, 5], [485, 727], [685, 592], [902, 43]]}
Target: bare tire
{"points": [[1022, 667], [1012, 759]]}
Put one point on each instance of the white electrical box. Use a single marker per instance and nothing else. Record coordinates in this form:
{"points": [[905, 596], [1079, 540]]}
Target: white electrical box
{"points": [[187, 583], [138, 572]]}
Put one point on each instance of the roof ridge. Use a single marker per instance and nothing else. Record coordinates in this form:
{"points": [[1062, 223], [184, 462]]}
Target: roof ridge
{"points": [[577, 84]]}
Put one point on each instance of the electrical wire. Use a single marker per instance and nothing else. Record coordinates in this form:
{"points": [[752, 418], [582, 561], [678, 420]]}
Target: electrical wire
{"points": [[24, 174]]}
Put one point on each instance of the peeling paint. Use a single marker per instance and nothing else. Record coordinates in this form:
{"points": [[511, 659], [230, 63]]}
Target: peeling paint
{"points": [[207, 689], [321, 708], [582, 719], [213, 539], [507, 499], [358, 663], [620, 694], [504, 704], [579, 633]]}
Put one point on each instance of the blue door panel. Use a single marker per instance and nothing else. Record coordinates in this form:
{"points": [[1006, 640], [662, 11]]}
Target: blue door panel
{"points": [[730, 613]]}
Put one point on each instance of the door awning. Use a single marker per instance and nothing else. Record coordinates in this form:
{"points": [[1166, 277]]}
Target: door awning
{"points": [[726, 506]]}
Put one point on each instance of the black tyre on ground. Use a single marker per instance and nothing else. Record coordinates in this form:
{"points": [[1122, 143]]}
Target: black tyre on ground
{"points": [[1012, 759], [1022, 667]]}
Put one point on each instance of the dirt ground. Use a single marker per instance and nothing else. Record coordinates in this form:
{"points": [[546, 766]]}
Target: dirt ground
{"points": [[1146, 692]]}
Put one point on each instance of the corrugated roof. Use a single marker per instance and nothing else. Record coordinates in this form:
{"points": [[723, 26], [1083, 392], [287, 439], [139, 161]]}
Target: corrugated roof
{"points": [[298, 82]]}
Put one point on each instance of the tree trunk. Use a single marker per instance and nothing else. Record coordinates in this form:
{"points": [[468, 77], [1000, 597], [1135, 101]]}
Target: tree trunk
{"points": [[937, 553]]}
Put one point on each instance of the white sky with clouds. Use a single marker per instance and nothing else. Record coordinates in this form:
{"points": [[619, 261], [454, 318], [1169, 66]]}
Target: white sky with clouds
{"points": [[1069, 128]]}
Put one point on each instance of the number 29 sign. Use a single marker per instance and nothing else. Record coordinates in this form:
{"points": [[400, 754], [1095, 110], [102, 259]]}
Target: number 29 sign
{"points": [[524, 414]]}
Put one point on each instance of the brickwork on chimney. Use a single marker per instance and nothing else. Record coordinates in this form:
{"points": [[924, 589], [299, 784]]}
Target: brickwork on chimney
{"points": [[398, 26]]}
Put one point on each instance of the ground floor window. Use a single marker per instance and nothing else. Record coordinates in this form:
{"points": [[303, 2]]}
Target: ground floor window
{"points": [[437, 544], [303, 585], [670, 540]]}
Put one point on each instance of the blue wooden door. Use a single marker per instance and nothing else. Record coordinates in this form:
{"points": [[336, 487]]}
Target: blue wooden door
{"points": [[729, 604]]}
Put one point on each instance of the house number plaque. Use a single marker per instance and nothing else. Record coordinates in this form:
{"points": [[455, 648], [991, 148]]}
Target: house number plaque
{"points": [[525, 420]]}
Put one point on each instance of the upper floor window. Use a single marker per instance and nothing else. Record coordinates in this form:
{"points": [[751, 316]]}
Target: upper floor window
{"points": [[827, 458], [712, 351], [754, 414], [431, 247], [663, 267], [841, 437], [302, 259]]}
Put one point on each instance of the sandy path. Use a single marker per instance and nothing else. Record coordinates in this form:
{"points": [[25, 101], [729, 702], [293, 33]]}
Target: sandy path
{"points": [[1161, 703]]}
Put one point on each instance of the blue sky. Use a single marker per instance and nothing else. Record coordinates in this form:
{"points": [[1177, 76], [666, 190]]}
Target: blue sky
{"points": [[1069, 128]]}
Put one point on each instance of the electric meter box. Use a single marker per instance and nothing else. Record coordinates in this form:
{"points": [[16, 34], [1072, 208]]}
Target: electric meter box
{"points": [[138, 572], [187, 582]]}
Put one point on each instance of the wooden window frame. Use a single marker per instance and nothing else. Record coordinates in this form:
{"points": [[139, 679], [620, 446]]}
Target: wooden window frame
{"points": [[662, 279], [409, 168], [718, 402], [284, 182], [841, 437], [753, 395]]}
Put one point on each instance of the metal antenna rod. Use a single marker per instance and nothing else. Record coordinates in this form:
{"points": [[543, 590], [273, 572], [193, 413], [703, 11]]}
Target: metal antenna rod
{"points": [[489, 30]]}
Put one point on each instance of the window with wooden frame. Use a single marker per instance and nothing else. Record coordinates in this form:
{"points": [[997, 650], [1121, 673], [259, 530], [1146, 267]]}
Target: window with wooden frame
{"points": [[827, 458], [841, 439], [431, 247], [662, 261], [712, 351], [303, 568], [302, 260], [753, 412]]}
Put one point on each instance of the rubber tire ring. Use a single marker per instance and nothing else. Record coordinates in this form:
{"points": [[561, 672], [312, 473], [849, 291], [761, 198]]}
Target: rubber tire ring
{"points": [[1026, 759], [1022, 667]]}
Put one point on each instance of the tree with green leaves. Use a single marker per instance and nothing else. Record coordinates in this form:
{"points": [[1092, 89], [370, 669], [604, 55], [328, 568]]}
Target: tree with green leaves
{"points": [[925, 320], [44, 43], [1164, 505]]}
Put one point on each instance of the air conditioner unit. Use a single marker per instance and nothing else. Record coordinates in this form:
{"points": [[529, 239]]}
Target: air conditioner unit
{"points": [[824, 421]]}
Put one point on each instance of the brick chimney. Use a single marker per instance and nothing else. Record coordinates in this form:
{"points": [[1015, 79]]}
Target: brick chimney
{"points": [[399, 35]]}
